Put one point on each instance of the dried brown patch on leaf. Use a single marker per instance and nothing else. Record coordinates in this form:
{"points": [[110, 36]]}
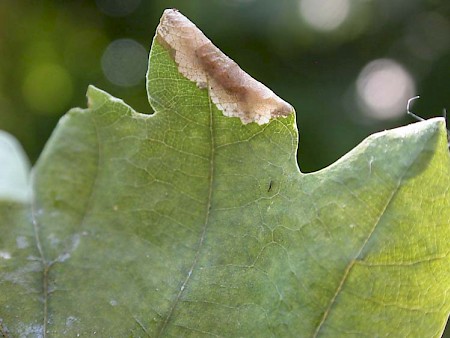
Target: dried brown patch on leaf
{"points": [[231, 89]]}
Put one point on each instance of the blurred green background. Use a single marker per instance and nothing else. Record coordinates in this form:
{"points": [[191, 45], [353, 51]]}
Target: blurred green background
{"points": [[347, 66]]}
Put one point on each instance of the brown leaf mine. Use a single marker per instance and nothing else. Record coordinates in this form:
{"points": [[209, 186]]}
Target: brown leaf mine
{"points": [[231, 89]]}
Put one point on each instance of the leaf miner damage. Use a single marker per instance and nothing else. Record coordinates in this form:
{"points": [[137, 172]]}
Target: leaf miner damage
{"points": [[231, 89]]}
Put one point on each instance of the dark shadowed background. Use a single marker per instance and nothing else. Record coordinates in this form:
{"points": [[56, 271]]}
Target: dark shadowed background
{"points": [[347, 66]]}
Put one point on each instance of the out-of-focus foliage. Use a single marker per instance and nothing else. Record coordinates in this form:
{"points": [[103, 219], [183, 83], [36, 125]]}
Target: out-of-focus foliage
{"points": [[317, 57]]}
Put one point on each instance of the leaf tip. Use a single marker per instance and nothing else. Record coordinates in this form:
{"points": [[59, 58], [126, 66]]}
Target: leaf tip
{"points": [[95, 97], [231, 89]]}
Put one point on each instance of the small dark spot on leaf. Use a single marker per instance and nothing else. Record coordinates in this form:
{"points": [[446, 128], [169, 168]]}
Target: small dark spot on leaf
{"points": [[270, 186]]}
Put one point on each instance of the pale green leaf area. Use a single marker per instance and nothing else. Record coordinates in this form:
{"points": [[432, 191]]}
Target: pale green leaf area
{"points": [[188, 223]]}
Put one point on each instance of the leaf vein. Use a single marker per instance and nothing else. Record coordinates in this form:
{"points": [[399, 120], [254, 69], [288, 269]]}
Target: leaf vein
{"points": [[205, 224], [353, 261]]}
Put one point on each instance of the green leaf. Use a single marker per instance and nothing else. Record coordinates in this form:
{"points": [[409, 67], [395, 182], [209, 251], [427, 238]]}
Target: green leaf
{"points": [[192, 223]]}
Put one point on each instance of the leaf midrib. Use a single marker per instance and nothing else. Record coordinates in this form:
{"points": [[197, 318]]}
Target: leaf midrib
{"points": [[205, 223]]}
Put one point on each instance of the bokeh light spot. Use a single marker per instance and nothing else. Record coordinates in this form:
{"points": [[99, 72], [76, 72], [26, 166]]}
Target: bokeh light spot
{"points": [[117, 8], [383, 88], [124, 62], [48, 89], [324, 15]]}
